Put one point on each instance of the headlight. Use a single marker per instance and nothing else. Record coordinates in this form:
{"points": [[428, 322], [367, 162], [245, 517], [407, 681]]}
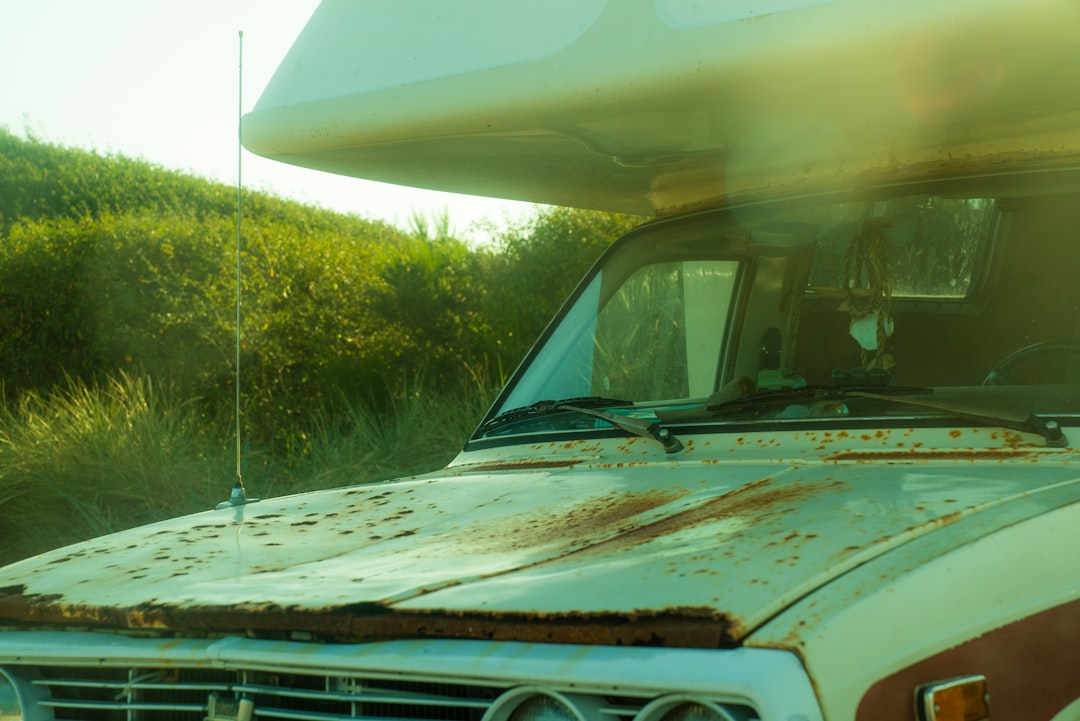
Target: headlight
{"points": [[542, 708], [539, 704], [20, 698], [688, 708]]}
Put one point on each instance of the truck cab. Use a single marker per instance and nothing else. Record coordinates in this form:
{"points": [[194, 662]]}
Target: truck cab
{"points": [[802, 446]]}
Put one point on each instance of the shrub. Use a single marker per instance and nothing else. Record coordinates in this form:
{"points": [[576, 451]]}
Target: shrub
{"points": [[536, 266]]}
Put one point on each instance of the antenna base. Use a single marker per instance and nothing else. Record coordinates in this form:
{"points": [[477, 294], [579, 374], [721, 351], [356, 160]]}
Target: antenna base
{"points": [[238, 497]]}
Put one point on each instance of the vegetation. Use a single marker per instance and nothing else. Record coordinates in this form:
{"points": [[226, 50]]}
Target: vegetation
{"points": [[367, 351]]}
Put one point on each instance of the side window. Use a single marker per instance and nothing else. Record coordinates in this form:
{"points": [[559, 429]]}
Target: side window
{"points": [[659, 335]]}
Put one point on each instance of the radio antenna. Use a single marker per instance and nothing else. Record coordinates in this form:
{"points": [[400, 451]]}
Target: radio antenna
{"points": [[239, 236], [238, 497]]}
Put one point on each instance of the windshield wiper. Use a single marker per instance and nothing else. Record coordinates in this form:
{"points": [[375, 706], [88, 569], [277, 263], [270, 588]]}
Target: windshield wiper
{"points": [[590, 406], [637, 426], [544, 407], [1049, 429]]}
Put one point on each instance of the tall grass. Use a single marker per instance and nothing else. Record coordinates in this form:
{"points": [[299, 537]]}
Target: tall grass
{"points": [[85, 460], [418, 430], [90, 459]]}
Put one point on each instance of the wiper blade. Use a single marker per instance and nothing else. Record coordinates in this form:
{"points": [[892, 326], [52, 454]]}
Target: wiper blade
{"points": [[637, 426], [590, 406], [1049, 429], [544, 407]]}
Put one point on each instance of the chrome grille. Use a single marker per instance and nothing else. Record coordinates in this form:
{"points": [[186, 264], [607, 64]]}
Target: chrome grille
{"points": [[178, 694]]}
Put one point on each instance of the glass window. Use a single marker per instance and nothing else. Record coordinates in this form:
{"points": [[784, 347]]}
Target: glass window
{"points": [[659, 335], [932, 245], [656, 336]]}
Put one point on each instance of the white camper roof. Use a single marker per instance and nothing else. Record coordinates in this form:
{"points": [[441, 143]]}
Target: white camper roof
{"points": [[652, 106]]}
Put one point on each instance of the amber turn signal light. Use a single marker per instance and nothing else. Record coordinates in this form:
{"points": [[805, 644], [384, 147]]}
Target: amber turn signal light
{"points": [[957, 699]]}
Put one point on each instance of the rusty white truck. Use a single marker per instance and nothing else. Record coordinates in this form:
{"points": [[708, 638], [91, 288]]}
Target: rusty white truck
{"points": [[802, 447]]}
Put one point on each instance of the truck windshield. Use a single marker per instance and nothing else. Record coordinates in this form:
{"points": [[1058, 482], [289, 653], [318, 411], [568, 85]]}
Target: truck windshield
{"points": [[964, 293]]}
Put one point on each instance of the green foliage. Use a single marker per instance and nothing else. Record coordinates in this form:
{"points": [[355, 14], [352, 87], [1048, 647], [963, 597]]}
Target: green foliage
{"points": [[536, 267], [418, 430], [85, 460], [39, 180], [429, 299], [116, 292], [152, 289]]}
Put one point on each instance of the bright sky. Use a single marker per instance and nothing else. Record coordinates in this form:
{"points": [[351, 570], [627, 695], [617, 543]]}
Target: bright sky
{"points": [[158, 80]]}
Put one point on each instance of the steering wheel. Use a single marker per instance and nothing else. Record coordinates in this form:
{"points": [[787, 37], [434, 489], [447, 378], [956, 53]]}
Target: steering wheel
{"points": [[1001, 373]]}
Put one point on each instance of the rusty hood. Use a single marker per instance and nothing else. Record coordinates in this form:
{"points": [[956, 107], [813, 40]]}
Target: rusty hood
{"points": [[693, 553]]}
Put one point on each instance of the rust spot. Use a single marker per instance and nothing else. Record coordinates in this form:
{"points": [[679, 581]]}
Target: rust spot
{"points": [[947, 519], [969, 455], [955, 433], [596, 517], [1012, 439], [754, 500], [688, 627]]}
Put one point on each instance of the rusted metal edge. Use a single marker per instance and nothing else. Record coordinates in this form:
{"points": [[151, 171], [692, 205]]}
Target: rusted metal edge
{"points": [[365, 622], [970, 455]]}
